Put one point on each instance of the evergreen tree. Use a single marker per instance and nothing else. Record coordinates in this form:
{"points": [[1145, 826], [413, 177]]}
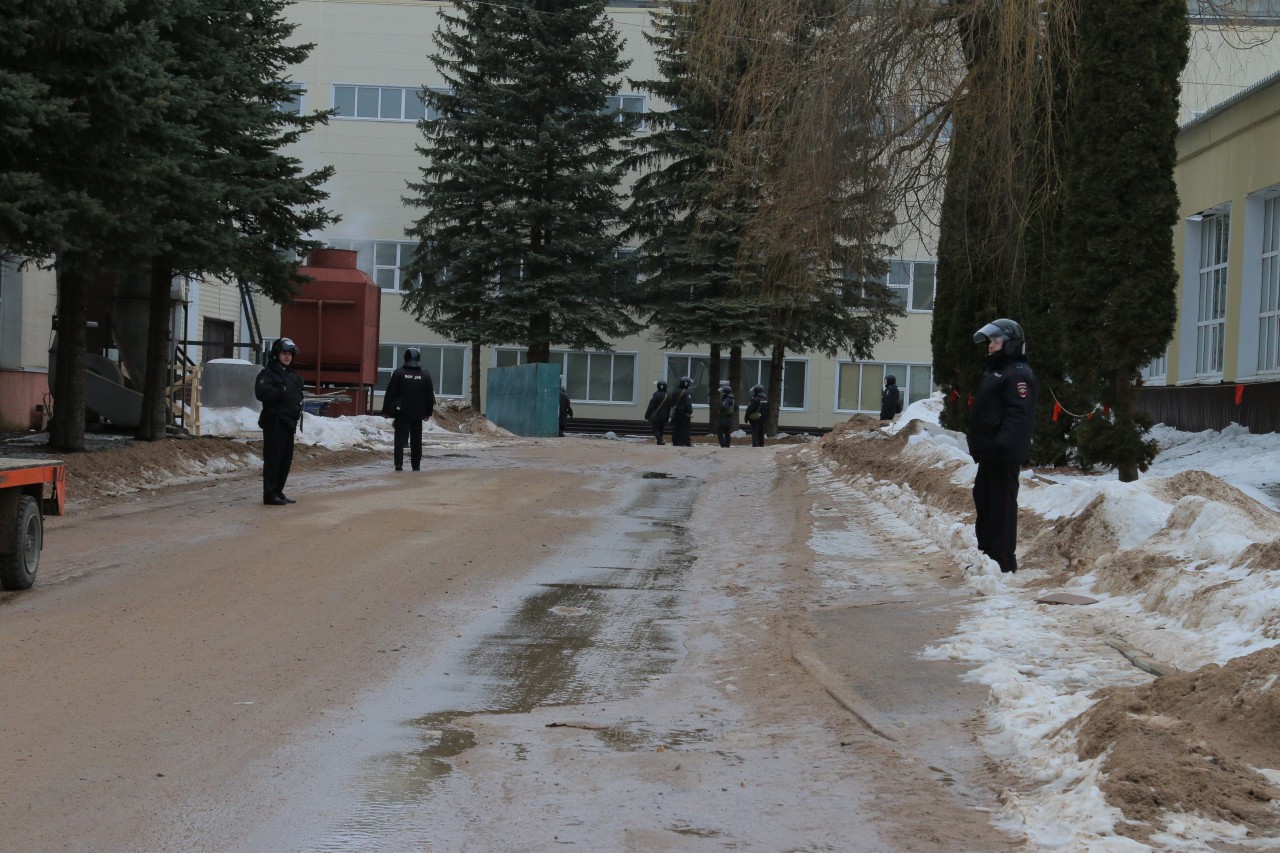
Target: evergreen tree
{"points": [[1119, 210], [523, 179], [238, 207], [697, 286]]}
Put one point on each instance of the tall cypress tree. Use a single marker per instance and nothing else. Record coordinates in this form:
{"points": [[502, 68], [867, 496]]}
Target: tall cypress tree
{"points": [[547, 180], [1120, 206]]}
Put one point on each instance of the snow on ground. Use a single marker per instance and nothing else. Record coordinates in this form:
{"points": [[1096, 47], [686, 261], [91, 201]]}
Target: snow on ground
{"points": [[1179, 562], [334, 433]]}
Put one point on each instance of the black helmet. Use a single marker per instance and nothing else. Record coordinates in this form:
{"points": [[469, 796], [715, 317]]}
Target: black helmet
{"points": [[891, 380], [1014, 342], [757, 389], [726, 389], [662, 385], [413, 357], [283, 345], [685, 381]]}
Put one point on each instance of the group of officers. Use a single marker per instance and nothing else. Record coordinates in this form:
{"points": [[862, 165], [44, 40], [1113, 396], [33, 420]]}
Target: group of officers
{"points": [[1001, 416], [678, 409]]}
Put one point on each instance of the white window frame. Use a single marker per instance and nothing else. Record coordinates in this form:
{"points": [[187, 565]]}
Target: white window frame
{"points": [[910, 368], [367, 261], [757, 362], [595, 358], [396, 351], [1211, 295], [1267, 345], [300, 90], [619, 111], [907, 267], [404, 115]]}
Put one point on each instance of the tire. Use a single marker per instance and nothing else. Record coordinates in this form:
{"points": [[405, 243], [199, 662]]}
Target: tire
{"points": [[18, 565]]}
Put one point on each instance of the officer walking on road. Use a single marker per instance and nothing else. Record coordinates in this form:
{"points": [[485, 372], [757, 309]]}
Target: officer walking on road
{"points": [[757, 415], [409, 400], [279, 389], [1000, 425], [682, 415], [728, 409], [659, 410]]}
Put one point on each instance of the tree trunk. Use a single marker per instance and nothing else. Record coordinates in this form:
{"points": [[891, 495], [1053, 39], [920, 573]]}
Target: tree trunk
{"points": [[775, 388], [1127, 467], [735, 377], [475, 375], [539, 346], [155, 381], [66, 427], [713, 389]]}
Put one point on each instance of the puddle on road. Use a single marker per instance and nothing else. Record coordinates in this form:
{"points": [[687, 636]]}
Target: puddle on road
{"points": [[587, 633]]}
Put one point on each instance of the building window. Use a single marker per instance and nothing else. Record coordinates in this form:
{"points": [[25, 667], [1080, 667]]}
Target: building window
{"points": [[860, 384], [293, 106], [386, 103], [1269, 305], [588, 377], [1157, 371], [446, 364], [1211, 314], [755, 371], [1203, 11], [382, 261], [628, 108], [912, 283]]}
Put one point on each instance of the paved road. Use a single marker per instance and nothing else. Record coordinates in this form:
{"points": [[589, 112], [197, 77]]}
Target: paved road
{"points": [[566, 643]]}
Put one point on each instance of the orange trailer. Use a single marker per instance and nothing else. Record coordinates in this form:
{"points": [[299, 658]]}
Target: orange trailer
{"points": [[23, 505]]}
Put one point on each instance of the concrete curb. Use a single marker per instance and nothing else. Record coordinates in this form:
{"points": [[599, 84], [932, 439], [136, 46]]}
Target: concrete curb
{"points": [[847, 699]]}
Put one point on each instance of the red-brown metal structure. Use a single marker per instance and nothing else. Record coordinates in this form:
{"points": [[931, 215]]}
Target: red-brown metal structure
{"points": [[334, 321]]}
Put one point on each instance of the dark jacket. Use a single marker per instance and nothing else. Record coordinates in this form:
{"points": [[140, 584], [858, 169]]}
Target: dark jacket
{"points": [[890, 402], [682, 408], [280, 391], [659, 407], [409, 395], [728, 407], [1003, 412], [566, 406], [758, 404]]}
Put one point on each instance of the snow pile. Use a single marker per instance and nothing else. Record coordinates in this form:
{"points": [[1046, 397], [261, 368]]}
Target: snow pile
{"points": [[1186, 566]]}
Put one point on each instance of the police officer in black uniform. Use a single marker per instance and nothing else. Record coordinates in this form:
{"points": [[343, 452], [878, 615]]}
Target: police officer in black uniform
{"points": [[1000, 425], [728, 408], [682, 415], [757, 414], [891, 399], [566, 409], [659, 410], [279, 389], [409, 400]]}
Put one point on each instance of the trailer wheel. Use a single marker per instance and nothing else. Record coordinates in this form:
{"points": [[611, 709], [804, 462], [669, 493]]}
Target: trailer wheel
{"points": [[19, 562]]}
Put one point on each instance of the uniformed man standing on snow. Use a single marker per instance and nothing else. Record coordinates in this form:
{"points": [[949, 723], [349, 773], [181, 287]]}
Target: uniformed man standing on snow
{"points": [[409, 400], [757, 415], [279, 390], [682, 415], [1000, 425], [659, 410], [728, 410]]}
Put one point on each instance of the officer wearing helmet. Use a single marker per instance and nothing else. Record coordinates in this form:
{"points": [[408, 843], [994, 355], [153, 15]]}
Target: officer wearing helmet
{"points": [[279, 389], [757, 414], [682, 414], [728, 410], [409, 400], [1000, 423], [891, 399], [659, 410]]}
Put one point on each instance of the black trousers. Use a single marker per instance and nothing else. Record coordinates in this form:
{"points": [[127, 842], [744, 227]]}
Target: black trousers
{"points": [[757, 433], [277, 456], [995, 498], [658, 428], [410, 429], [681, 432], [724, 430]]}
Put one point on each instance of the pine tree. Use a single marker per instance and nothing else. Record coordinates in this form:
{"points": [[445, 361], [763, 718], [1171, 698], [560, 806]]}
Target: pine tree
{"points": [[697, 288], [238, 207], [523, 179], [1120, 207]]}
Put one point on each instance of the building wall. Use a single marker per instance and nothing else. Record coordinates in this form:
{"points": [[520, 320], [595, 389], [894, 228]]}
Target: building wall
{"points": [[27, 303]]}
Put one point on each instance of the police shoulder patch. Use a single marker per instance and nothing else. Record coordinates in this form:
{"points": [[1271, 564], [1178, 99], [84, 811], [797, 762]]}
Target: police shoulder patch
{"points": [[1022, 389]]}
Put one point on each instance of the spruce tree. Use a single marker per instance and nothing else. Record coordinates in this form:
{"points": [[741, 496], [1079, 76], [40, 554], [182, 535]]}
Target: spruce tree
{"points": [[698, 287], [523, 180], [1115, 270]]}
